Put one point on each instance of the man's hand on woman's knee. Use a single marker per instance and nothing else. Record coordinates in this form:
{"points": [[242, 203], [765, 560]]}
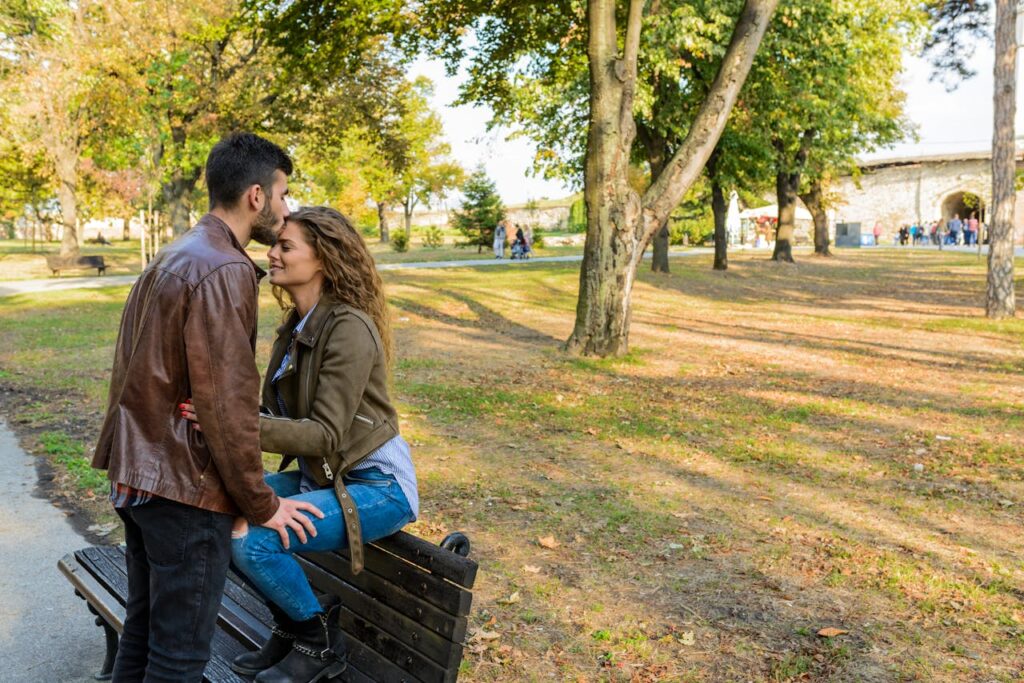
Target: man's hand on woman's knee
{"points": [[290, 515]]}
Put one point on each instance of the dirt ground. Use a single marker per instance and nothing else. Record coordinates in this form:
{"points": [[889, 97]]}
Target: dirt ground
{"points": [[798, 473]]}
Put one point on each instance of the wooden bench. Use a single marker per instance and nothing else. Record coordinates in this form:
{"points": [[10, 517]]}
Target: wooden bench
{"points": [[404, 616], [57, 263]]}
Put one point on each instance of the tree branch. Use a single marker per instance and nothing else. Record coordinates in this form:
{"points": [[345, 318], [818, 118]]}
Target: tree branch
{"points": [[686, 165]]}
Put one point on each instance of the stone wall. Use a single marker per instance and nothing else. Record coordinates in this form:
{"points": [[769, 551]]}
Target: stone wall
{"points": [[907, 191]]}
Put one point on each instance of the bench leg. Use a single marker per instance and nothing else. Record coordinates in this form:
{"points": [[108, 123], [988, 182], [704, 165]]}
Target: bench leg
{"points": [[107, 671]]}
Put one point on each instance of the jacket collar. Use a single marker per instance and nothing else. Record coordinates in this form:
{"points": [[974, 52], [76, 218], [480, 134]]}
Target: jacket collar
{"points": [[314, 326], [218, 227]]}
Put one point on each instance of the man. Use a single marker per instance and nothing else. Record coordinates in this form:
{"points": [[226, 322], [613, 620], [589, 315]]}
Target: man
{"points": [[189, 330], [877, 232], [954, 225]]}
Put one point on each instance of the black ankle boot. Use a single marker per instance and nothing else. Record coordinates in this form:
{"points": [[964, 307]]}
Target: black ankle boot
{"points": [[317, 653], [274, 650]]}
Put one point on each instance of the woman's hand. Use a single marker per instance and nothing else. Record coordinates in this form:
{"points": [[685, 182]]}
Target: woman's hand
{"points": [[240, 528], [188, 411]]}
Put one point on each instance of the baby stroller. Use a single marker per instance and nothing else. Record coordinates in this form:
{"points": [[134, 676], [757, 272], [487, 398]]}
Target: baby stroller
{"points": [[520, 249]]}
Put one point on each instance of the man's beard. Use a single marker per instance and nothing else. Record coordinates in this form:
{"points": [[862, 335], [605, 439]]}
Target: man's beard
{"points": [[265, 226]]}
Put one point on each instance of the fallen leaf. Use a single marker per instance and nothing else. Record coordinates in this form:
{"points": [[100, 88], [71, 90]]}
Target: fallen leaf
{"points": [[592, 431], [484, 634], [666, 437], [510, 600], [765, 498], [831, 632], [548, 542], [687, 638], [531, 569]]}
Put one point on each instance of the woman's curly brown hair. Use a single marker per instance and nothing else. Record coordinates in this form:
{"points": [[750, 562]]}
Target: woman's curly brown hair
{"points": [[350, 274]]}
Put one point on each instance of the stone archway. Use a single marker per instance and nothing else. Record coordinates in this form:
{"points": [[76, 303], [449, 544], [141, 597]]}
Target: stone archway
{"points": [[962, 203]]}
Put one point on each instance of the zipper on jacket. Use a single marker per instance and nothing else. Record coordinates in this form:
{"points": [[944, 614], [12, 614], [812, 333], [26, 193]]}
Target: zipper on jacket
{"points": [[364, 419], [328, 472]]}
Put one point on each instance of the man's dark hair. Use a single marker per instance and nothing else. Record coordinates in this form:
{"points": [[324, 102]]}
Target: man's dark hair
{"points": [[240, 161]]}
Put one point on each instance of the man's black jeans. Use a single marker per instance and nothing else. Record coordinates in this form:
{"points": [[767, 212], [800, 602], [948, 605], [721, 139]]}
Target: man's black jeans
{"points": [[178, 559]]}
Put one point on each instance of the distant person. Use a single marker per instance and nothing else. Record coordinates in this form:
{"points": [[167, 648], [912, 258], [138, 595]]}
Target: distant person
{"points": [[499, 240], [973, 226], [520, 249], [528, 233], [877, 232], [934, 233], [954, 226]]}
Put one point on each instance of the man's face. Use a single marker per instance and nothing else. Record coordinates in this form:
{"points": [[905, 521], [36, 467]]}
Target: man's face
{"points": [[269, 221]]}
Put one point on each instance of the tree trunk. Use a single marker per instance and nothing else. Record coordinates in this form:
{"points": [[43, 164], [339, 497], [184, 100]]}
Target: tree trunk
{"points": [[658, 155], [408, 205], [720, 208], [619, 222], [66, 167], [177, 193], [382, 222], [126, 231], [786, 185], [1000, 299], [659, 259], [815, 203]]}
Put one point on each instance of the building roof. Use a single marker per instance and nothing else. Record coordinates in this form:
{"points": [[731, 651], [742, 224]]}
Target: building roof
{"points": [[889, 162]]}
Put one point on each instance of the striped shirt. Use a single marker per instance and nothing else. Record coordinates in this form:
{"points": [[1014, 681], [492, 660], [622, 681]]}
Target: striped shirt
{"points": [[124, 496]]}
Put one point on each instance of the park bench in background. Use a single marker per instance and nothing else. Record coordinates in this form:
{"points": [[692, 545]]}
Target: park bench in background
{"points": [[57, 263], [404, 616]]}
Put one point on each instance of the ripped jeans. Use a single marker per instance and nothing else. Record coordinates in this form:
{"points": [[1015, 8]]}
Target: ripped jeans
{"points": [[259, 555]]}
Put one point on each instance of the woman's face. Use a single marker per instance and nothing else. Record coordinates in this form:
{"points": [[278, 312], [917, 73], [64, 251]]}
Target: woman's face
{"points": [[293, 262]]}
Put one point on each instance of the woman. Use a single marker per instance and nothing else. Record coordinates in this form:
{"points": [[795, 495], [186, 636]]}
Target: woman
{"points": [[326, 394], [499, 240]]}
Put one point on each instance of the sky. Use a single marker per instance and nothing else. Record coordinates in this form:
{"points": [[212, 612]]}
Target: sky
{"points": [[946, 122]]}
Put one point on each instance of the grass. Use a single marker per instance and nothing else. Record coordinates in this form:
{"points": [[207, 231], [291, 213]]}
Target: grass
{"points": [[19, 262], [743, 478]]}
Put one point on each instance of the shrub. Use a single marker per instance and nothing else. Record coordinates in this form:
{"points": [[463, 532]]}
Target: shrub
{"points": [[538, 242], [432, 238], [697, 230], [400, 241]]}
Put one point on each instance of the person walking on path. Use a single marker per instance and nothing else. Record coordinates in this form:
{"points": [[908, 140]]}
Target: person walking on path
{"points": [[954, 226], [189, 329], [499, 240], [877, 232], [972, 229]]}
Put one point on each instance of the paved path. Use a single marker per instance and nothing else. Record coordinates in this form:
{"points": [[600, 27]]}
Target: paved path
{"points": [[46, 633], [12, 287]]}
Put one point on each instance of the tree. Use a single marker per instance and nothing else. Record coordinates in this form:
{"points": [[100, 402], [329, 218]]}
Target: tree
{"points": [[429, 173], [999, 299], [51, 77], [481, 211], [825, 87], [522, 36]]}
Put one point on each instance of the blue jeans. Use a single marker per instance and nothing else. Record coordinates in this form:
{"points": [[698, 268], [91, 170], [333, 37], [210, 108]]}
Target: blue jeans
{"points": [[383, 510], [177, 562]]}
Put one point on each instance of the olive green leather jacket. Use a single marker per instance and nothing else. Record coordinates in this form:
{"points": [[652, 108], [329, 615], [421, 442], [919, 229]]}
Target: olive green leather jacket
{"points": [[335, 394]]}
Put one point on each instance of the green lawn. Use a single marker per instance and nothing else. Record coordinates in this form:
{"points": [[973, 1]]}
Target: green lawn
{"points": [[785, 449], [19, 262]]}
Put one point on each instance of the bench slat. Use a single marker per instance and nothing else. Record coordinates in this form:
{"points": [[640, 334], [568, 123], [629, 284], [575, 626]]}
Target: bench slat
{"points": [[451, 627], [399, 626], [407, 630], [435, 559], [445, 595], [102, 570]]}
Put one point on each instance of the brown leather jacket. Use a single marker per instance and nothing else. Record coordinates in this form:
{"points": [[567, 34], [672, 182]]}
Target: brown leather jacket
{"points": [[335, 393], [189, 329]]}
